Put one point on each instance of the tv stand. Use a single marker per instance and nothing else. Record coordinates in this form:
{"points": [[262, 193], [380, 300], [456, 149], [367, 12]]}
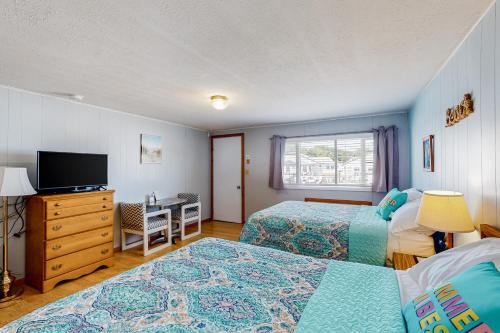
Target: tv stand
{"points": [[67, 236]]}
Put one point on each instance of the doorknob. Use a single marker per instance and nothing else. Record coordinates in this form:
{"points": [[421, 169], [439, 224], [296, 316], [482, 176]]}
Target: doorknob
{"points": [[238, 187]]}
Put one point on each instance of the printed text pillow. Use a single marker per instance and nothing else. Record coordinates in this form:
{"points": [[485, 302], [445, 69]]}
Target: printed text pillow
{"points": [[469, 302], [391, 202]]}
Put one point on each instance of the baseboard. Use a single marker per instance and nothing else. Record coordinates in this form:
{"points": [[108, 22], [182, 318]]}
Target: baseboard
{"points": [[19, 282]]}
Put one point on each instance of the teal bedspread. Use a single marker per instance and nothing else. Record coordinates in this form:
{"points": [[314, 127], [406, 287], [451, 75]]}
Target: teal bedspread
{"points": [[211, 285], [215, 285], [341, 232], [354, 298]]}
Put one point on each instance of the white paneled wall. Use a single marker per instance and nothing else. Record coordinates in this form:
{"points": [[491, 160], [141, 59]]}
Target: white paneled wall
{"points": [[31, 122], [467, 155]]}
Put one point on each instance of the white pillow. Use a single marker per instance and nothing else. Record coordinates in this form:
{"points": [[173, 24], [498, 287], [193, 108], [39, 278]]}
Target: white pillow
{"points": [[443, 266], [404, 219], [413, 194]]}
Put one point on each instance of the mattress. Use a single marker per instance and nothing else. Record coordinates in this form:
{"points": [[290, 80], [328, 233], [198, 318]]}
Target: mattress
{"points": [[215, 285], [333, 231]]}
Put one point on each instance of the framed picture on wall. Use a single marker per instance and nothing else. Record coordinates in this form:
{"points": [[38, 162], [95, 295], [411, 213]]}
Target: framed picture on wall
{"points": [[151, 148], [428, 153]]}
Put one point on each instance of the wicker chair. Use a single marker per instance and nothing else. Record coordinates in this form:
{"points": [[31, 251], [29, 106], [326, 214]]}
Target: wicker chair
{"points": [[189, 213], [135, 220]]}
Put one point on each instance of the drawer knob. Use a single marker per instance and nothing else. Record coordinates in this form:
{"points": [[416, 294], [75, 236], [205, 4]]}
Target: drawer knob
{"points": [[56, 247], [104, 234], [104, 206], [104, 251], [104, 198], [57, 227], [104, 218], [57, 204], [57, 213], [56, 267]]}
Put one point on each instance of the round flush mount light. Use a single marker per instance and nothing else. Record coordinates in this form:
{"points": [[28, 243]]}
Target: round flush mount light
{"points": [[219, 102]]}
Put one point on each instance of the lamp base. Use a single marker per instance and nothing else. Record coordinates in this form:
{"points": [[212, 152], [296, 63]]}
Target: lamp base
{"points": [[439, 241], [11, 297]]}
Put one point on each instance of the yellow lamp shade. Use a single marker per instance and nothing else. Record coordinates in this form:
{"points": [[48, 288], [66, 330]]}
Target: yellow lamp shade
{"points": [[444, 211]]}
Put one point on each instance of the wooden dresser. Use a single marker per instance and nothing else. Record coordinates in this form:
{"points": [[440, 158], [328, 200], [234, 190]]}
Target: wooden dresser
{"points": [[67, 236]]}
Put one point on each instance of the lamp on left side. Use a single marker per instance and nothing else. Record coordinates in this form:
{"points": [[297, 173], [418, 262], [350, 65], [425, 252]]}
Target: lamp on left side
{"points": [[14, 182]]}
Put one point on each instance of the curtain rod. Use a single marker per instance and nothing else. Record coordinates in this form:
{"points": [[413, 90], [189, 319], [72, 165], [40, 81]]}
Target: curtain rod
{"points": [[315, 135], [342, 133]]}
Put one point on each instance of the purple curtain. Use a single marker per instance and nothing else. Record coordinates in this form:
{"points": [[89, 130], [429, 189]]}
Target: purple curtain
{"points": [[386, 173], [276, 165]]}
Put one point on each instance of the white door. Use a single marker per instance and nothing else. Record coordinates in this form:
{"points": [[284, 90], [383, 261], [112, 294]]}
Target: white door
{"points": [[227, 187]]}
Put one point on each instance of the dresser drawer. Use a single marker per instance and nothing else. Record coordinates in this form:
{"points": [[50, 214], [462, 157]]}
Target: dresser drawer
{"points": [[69, 244], [55, 213], [66, 203], [78, 259], [72, 225]]}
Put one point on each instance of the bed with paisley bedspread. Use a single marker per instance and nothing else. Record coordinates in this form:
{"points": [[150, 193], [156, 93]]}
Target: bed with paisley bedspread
{"points": [[322, 230], [215, 285]]}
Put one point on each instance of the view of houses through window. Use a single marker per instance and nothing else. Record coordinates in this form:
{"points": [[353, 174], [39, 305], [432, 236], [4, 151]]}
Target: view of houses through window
{"points": [[345, 160]]}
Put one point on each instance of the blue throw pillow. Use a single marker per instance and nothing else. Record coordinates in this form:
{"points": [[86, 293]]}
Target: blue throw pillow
{"points": [[391, 202], [469, 302]]}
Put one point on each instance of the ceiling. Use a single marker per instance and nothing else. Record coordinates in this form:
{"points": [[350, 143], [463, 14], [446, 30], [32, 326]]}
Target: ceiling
{"points": [[277, 60]]}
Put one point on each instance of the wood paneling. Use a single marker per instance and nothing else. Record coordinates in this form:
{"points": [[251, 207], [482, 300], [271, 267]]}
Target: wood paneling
{"points": [[31, 122], [466, 154]]}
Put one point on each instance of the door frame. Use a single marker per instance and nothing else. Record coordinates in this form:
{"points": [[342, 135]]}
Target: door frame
{"points": [[242, 135]]}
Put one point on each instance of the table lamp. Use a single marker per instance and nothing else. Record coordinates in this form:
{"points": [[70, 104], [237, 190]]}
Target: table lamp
{"points": [[444, 211], [14, 182]]}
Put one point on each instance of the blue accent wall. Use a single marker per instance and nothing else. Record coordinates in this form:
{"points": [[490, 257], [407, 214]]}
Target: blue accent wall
{"points": [[467, 155]]}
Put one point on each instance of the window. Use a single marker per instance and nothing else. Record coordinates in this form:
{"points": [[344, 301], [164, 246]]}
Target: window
{"points": [[337, 160]]}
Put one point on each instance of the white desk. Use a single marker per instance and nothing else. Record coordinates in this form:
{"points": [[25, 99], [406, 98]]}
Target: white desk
{"points": [[166, 203]]}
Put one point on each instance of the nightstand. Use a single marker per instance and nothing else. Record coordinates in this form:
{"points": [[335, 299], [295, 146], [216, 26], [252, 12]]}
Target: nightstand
{"points": [[403, 261]]}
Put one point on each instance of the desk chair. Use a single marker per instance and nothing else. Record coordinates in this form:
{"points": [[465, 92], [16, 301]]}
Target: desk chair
{"points": [[189, 213], [135, 220]]}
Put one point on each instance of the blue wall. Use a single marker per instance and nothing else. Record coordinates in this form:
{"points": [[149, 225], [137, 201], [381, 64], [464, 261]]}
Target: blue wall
{"points": [[467, 155]]}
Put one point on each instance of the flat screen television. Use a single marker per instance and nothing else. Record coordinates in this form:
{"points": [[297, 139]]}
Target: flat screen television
{"points": [[61, 171]]}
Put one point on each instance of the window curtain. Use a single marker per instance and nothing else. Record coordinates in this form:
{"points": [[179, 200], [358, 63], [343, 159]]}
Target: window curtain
{"points": [[276, 165], [386, 173]]}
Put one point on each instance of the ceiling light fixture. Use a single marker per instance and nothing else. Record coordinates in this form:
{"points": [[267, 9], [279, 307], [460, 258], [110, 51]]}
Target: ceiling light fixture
{"points": [[219, 102]]}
